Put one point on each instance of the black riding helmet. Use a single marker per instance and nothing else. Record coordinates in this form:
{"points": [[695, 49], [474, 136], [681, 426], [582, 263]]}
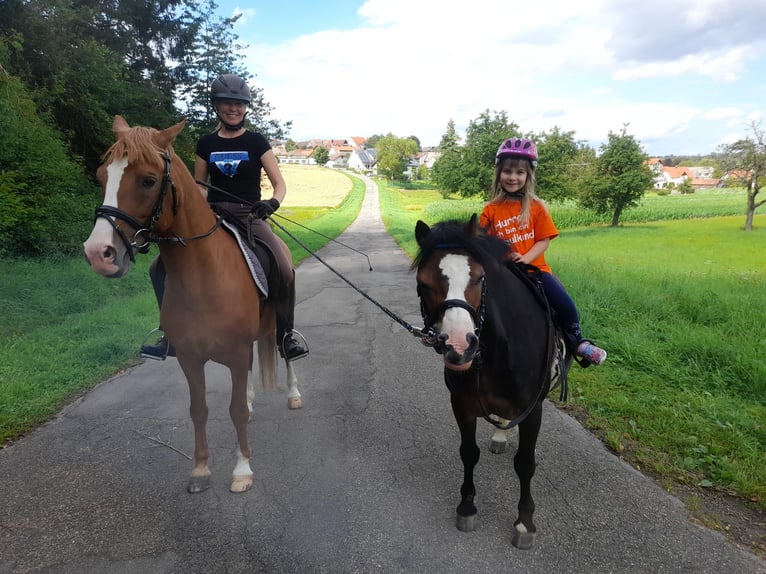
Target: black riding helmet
{"points": [[229, 87]]}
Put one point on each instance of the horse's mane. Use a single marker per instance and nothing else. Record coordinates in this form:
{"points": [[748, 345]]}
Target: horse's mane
{"points": [[452, 235], [138, 146]]}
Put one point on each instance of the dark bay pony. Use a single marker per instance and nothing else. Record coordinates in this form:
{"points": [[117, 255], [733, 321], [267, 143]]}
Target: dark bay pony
{"points": [[212, 310], [498, 342]]}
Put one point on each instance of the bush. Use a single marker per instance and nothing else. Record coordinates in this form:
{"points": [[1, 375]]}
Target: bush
{"points": [[46, 201]]}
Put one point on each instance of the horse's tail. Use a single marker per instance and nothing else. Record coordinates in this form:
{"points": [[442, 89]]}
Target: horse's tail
{"points": [[267, 350]]}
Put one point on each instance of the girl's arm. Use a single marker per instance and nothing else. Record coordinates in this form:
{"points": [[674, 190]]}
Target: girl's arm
{"points": [[537, 250]]}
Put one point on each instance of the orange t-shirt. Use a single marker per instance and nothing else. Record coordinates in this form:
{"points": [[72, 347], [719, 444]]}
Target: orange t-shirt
{"points": [[501, 219]]}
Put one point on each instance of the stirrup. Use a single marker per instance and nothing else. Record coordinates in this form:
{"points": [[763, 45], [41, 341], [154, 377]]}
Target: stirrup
{"points": [[301, 339], [147, 355]]}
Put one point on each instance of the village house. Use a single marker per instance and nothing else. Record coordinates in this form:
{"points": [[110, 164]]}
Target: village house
{"points": [[669, 177]]}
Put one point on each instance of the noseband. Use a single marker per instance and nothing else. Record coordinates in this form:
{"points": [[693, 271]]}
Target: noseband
{"points": [[112, 214], [430, 338]]}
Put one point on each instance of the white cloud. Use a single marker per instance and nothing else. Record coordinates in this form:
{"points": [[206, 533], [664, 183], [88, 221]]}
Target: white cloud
{"points": [[413, 66]]}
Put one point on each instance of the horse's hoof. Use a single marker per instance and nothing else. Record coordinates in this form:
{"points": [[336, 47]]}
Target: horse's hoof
{"points": [[466, 523], [198, 484], [523, 540], [294, 403], [241, 483], [498, 446]]}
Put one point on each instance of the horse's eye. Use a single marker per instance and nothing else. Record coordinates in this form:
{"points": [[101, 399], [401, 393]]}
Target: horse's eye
{"points": [[148, 182], [422, 288], [478, 280]]}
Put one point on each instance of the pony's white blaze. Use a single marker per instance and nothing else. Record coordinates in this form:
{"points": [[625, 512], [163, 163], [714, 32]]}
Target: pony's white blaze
{"points": [[457, 322], [105, 255]]}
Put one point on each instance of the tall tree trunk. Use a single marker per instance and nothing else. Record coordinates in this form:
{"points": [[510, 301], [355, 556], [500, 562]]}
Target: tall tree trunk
{"points": [[616, 217]]}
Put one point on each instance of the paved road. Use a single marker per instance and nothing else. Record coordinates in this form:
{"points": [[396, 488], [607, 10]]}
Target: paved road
{"points": [[363, 479]]}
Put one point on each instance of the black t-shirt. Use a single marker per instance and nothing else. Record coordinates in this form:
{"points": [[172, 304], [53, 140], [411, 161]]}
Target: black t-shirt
{"points": [[234, 165]]}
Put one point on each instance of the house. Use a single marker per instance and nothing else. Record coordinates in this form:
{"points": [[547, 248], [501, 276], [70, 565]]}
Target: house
{"points": [[299, 156], [363, 161], [427, 158], [337, 161], [736, 178], [705, 182]]}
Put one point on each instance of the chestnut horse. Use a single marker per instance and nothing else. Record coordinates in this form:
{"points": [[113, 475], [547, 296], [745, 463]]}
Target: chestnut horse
{"points": [[212, 309], [497, 338]]}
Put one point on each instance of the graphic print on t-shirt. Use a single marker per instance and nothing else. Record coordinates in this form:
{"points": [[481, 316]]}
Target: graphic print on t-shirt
{"points": [[227, 162]]}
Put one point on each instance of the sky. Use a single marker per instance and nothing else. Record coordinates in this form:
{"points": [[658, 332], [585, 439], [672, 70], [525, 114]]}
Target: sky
{"points": [[684, 75]]}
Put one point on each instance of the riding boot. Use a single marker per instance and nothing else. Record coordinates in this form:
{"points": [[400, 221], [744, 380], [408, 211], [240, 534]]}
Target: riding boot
{"points": [[290, 348]]}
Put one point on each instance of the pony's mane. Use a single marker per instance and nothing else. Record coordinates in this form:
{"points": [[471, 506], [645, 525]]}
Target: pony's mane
{"points": [[452, 235], [137, 145]]}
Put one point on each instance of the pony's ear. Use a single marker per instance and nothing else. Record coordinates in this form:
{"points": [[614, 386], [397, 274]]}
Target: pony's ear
{"points": [[168, 135], [119, 126], [472, 227], [421, 231]]}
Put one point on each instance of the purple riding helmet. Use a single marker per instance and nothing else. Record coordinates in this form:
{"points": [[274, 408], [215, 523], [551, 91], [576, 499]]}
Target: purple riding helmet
{"points": [[518, 147]]}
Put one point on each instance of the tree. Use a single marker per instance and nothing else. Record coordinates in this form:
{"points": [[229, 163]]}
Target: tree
{"points": [[321, 155], [372, 141], [468, 170], [749, 155], [620, 178], [450, 139], [393, 155], [559, 165]]}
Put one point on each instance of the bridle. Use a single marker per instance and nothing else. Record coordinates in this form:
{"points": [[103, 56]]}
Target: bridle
{"points": [[429, 336], [143, 236]]}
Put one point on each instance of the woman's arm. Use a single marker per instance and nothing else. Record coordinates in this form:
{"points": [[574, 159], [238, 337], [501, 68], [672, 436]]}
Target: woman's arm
{"points": [[201, 174], [270, 165]]}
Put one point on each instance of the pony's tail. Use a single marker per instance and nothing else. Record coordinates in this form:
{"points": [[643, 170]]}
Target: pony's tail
{"points": [[267, 350]]}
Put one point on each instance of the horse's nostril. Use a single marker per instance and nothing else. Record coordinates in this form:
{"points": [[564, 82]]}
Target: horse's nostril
{"points": [[473, 342]]}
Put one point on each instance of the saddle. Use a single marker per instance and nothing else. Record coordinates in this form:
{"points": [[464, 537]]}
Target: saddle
{"points": [[258, 255], [562, 351]]}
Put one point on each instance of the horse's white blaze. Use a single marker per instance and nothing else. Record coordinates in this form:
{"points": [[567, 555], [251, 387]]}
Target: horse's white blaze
{"points": [[457, 322], [101, 250]]}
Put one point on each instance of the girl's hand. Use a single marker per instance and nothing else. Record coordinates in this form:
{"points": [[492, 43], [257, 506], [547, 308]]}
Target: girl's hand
{"points": [[517, 257]]}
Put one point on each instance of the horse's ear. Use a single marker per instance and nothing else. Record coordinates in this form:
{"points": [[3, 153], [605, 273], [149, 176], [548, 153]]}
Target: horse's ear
{"points": [[472, 227], [119, 126], [168, 135], [421, 231]]}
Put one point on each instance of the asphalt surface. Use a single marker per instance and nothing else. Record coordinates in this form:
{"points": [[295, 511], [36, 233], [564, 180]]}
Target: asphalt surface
{"points": [[365, 478]]}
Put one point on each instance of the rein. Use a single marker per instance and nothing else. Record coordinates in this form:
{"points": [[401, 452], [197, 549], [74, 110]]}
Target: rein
{"points": [[113, 214]]}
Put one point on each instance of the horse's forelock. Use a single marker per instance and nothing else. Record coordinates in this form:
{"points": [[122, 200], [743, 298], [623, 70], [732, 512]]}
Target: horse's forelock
{"points": [[138, 146], [451, 235]]}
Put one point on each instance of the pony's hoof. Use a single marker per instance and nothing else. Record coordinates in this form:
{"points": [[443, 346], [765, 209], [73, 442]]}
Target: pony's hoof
{"points": [[466, 523], [523, 540], [498, 446], [241, 483], [198, 484], [294, 403]]}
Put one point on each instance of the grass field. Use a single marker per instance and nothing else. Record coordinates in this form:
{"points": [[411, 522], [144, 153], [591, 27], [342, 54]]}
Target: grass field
{"points": [[312, 186]]}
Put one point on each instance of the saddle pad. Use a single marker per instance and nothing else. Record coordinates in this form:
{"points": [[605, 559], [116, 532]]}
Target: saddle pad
{"points": [[256, 269]]}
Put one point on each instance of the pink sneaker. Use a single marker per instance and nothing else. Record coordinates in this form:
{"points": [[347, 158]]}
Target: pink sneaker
{"points": [[595, 355]]}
